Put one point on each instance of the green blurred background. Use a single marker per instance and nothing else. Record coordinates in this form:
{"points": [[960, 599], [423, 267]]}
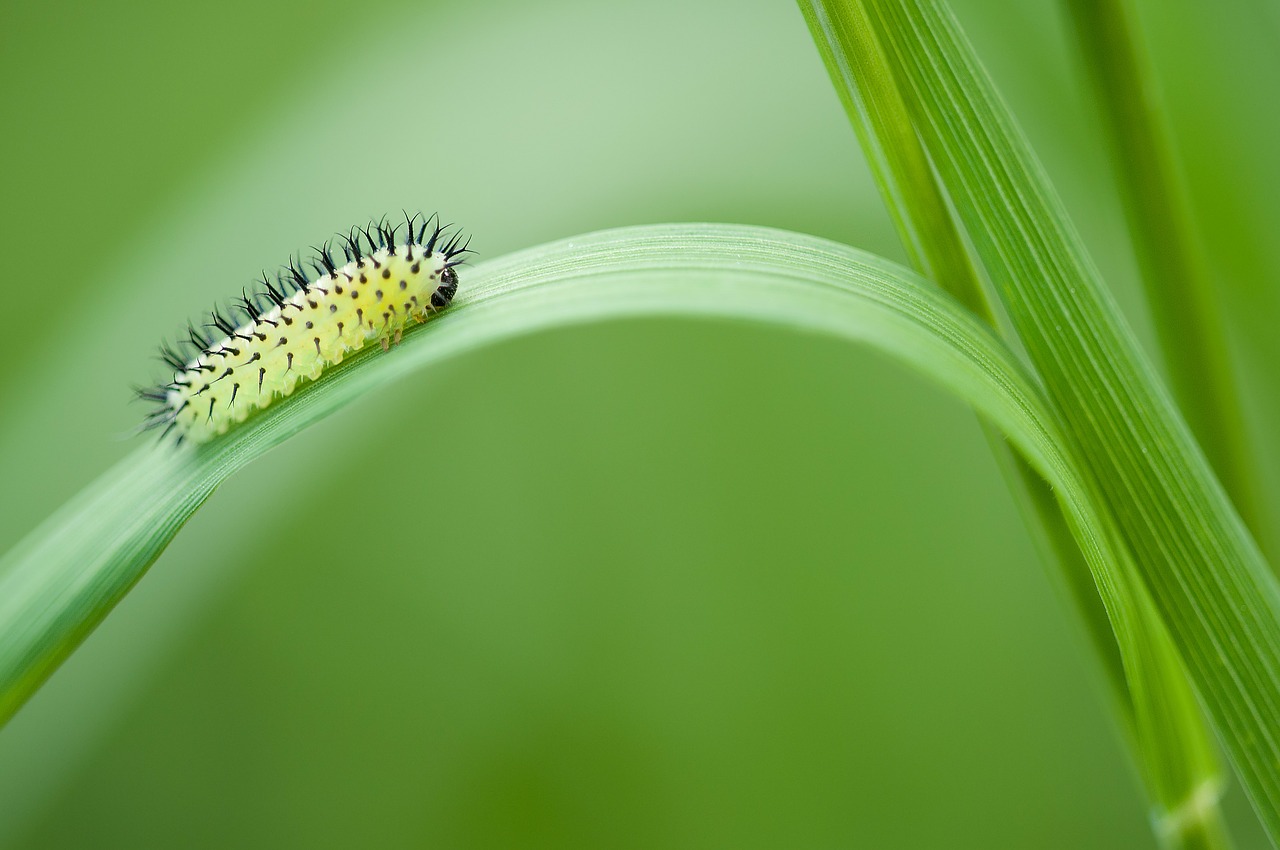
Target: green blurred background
{"points": [[663, 583]]}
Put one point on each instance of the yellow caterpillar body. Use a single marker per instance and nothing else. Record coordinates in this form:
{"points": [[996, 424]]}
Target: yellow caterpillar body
{"points": [[383, 286]]}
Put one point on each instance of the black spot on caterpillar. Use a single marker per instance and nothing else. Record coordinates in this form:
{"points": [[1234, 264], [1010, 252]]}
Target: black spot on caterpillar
{"points": [[423, 262]]}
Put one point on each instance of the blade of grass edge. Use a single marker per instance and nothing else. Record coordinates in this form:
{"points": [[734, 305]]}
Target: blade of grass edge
{"points": [[1212, 586], [1172, 748]]}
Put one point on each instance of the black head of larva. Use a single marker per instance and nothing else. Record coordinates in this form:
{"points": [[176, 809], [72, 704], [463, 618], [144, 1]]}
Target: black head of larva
{"points": [[201, 361]]}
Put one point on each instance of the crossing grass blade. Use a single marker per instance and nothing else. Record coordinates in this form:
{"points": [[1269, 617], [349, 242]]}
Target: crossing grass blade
{"points": [[1180, 290], [1165, 731], [1212, 587]]}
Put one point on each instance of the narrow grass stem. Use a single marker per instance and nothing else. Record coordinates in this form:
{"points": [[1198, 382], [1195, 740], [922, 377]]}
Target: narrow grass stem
{"points": [[1196, 823]]}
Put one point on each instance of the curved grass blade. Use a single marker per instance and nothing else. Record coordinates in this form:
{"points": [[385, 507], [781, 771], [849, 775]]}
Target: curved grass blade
{"points": [[64, 578]]}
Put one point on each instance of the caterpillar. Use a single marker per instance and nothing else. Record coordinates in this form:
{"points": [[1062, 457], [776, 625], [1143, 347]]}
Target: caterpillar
{"points": [[300, 325]]}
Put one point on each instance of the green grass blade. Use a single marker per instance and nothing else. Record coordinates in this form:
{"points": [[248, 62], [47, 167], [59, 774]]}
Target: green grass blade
{"points": [[1212, 586], [864, 82], [916, 203], [1179, 289], [1172, 747], [66, 576]]}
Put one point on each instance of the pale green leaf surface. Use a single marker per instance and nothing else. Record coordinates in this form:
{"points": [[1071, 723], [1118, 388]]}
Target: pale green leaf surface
{"points": [[1213, 588], [68, 574]]}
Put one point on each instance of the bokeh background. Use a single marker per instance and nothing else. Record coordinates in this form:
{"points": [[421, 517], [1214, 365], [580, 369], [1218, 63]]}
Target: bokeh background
{"points": [[651, 583]]}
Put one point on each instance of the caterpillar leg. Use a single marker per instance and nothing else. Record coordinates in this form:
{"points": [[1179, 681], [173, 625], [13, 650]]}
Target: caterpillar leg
{"points": [[399, 336], [386, 343]]}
